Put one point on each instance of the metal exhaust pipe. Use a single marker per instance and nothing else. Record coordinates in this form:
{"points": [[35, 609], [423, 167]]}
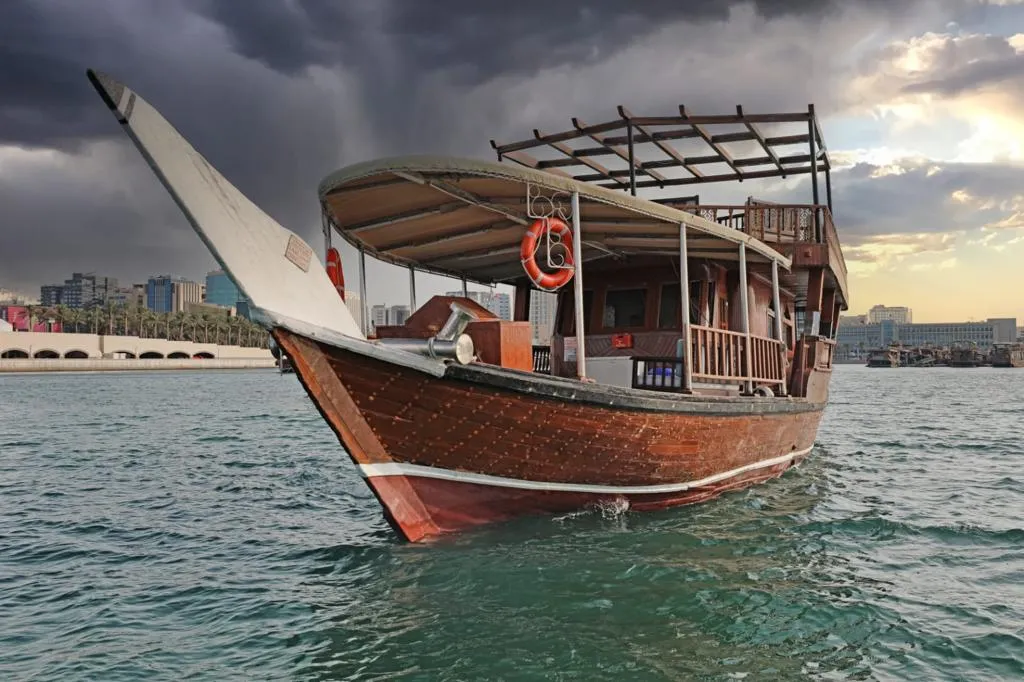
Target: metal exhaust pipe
{"points": [[459, 349]]}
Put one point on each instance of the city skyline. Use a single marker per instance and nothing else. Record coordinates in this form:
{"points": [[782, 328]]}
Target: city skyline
{"points": [[919, 103]]}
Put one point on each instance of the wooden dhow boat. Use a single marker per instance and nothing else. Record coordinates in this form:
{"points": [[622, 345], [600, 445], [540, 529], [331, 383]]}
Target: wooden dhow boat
{"points": [[692, 344]]}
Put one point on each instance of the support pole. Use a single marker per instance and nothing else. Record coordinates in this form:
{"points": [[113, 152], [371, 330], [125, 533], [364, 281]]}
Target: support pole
{"points": [[813, 134], [364, 322], [465, 290], [577, 260], [745, 310], [632, 165], [327, 233], [412, 290], [777, 303], [684, 293], [828, 188]]}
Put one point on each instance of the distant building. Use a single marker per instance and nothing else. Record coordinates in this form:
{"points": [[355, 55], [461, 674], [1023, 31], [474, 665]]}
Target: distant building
{"points": [[855, 340], [398, 314], [11, 297], [542, 316], [130, 297], [1005, 329], [220, 290], [83, 290], [897, 314], [165, 294], [1020, 333], [51, 294], [498, 303], [355, 307], [379, 316], [209, 309], [19, 319], [852, 319]]}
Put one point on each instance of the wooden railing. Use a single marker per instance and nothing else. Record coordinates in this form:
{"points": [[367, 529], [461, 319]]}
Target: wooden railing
{"points": [[542, 359], [718, 356], [773, 222], [825, 357]]}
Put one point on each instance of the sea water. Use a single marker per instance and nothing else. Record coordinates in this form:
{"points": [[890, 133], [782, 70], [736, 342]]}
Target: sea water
{"points": [[207, 526]]}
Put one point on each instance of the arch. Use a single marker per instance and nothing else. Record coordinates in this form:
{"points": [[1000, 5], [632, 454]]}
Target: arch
{"points": [[203, 355], [46, 354], [177, 355], [76, 354], [13, 354], [151, 355]]}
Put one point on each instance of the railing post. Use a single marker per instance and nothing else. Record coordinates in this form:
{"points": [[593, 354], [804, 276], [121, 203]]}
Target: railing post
{"points": [[412, 290], [684, 295], [577, 261], [465, 289], [745, 310], [777, 303], [363, 309]]}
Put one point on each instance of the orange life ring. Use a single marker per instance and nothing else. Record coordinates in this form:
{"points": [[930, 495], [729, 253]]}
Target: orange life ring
{"points": [[528, 253], [335, 272]]}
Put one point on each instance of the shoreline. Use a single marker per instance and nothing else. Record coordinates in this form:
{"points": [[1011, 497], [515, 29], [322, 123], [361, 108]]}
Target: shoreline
{"points": [[36, 365]]}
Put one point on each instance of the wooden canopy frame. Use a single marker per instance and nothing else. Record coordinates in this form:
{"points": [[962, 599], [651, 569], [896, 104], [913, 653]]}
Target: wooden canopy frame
{"points": [[623, 138]]}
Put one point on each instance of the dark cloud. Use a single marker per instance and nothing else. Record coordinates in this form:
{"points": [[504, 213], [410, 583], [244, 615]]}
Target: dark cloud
{"points": [[277, 94]]}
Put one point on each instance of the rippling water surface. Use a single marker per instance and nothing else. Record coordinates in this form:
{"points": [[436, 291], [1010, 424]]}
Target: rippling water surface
{"points": [[206, 525]]}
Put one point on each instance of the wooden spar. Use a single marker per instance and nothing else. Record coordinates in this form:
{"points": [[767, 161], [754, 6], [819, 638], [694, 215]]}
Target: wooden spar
{"points": [[577, 261], [776, 303], [632, 160], [684, 294], [814, 170], [412, 290], [745, 311], [828, 188], [363, 310]]}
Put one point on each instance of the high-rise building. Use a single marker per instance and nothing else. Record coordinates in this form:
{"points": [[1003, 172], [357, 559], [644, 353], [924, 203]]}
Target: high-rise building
{"points": [[165, 294], [51, 294], [379, 316], [83, 290], [542, 316], [220, 290], [498, 303], [355, 307], [898, 314], [398, 314]]}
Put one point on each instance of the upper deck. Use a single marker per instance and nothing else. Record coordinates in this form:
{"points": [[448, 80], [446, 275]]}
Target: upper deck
{"points": [[632, 153]]}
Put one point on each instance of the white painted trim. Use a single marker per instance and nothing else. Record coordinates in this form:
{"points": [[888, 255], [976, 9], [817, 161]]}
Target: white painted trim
{"points": [[399, 469]]}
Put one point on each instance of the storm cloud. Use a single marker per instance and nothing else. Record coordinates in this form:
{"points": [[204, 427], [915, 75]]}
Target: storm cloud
{"points": [[278, 94]]}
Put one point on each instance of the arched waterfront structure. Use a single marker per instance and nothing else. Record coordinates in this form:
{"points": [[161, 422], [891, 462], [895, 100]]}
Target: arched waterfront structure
{"points": [[76, 354]]}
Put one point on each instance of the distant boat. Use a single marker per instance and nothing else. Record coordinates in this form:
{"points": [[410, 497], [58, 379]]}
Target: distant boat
{"points": [[1007, 355], [693, 344]]}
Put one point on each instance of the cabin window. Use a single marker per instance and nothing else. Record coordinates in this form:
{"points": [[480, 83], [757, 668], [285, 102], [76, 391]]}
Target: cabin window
{"points": [[624, 308], [669, 308], [567, 313]]}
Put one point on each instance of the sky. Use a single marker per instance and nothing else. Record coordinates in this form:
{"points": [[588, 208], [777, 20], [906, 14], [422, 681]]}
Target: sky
{"points": [[921, 103]]}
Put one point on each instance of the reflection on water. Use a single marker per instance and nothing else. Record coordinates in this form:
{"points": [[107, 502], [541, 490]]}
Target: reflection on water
{"points": [[161, 533]]}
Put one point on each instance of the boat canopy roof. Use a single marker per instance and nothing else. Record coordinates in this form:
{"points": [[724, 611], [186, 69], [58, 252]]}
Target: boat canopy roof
{"points": [[466, 218]]}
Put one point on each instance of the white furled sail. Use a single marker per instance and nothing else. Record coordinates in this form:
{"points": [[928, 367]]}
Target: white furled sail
{"points": [[272, 266]]}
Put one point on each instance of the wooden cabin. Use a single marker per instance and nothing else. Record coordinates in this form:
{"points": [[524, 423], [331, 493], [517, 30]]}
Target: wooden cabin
{"points": [[676, 295]]}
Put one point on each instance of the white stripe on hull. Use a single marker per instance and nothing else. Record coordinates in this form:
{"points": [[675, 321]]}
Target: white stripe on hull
{"points": [[399, 469]]}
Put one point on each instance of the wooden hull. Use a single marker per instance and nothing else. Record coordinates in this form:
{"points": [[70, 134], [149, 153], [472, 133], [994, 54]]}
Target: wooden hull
{"points": [[476, 446]]}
